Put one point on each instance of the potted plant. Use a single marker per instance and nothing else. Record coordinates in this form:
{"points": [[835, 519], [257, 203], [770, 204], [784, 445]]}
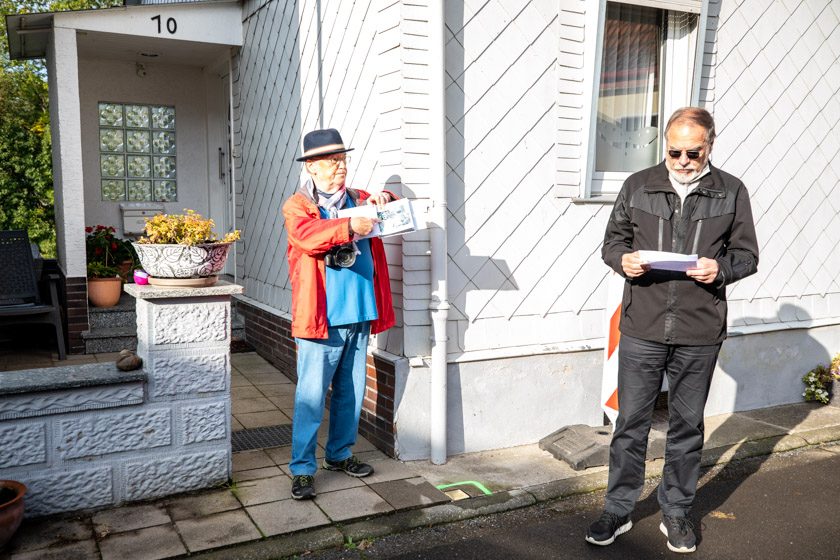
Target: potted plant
{"points": [[104, 253], [11, 508], [183, 249], [820, 382]]}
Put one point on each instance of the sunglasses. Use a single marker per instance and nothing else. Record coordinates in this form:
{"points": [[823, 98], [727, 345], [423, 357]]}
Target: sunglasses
{"points": [[690, 154]]}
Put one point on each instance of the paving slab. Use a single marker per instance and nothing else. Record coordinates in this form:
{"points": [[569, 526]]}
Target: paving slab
{"points": [[129, 518], [247, 358], [330, 481], [277, 389], [798, 417], [247, 460], [262, 419], [502, 469], [362, 444], [201, 505], [729, 429], [264, 377], [239, 380], [258, 404], [280, 455], [245, 392], [220, 529], [352, 503], [283, 401], [254, 474], [287, 516], [35, 534], [235, 425], [409, 493], [264, 490], [152, 543], [388, 469], [83, 550]]}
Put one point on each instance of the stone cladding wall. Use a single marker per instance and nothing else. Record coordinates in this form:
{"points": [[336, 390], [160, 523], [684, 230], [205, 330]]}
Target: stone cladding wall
{"points": [[88, 436]]}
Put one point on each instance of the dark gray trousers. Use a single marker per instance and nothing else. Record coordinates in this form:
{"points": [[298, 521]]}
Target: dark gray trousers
{"points": [[641, 365]]}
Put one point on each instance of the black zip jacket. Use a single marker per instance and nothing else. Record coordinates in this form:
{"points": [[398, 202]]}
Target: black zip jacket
{"points": [[715, 222]]}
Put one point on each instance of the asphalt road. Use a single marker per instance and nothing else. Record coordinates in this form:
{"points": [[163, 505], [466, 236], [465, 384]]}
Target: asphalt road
{"points": [[784, 506]]}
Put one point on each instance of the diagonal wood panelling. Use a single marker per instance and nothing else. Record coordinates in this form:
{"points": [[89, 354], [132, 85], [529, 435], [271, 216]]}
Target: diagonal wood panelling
{"points": [[518, 255], [772, 71], [281, 90]]}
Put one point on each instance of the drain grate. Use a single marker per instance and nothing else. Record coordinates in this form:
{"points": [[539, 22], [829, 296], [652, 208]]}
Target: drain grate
{"points": [[258, 438]]}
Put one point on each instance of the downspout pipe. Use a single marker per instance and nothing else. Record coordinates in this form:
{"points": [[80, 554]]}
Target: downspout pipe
{"points": [[439, 300]]}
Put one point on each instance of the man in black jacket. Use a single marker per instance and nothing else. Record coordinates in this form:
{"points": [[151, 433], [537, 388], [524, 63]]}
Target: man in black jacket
{"points": [[672, 322]]}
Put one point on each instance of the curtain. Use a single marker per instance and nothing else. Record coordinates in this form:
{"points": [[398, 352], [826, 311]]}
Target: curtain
{"points": [[628, 119]]}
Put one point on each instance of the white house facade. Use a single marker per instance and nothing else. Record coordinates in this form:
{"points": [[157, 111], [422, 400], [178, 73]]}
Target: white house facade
{"points": [[512, 123]]}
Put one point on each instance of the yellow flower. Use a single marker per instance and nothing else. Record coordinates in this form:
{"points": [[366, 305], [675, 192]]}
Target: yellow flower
{"points": [[190, 228]]}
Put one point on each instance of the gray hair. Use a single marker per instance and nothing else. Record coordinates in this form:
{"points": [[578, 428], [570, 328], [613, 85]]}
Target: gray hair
{"points": [[696, 116]]}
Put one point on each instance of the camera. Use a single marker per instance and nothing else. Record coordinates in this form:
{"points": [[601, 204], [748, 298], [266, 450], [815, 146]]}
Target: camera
{"points": [[341, 256]]}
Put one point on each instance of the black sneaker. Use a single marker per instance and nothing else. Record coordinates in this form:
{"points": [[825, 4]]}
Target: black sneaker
{"points": [[607, 528], [302, 487], [680, 533], [351, 465]]}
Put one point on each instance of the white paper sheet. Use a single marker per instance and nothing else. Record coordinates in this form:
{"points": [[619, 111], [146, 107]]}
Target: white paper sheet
{"points": [[396, 217], [663, 260]]}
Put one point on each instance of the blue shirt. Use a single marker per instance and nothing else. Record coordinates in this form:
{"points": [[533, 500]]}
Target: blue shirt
{"points": [[350, 294]]}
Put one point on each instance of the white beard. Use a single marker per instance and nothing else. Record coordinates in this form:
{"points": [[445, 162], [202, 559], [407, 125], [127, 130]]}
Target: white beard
{"points": [[684, 179]]}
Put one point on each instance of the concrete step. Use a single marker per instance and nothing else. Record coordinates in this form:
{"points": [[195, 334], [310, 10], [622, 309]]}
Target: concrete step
{"points": [[110, 339], [121, 315]]}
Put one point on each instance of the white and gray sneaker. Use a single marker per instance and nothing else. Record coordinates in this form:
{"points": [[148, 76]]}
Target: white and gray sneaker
{"points": [[680, 533], [604, 531]]}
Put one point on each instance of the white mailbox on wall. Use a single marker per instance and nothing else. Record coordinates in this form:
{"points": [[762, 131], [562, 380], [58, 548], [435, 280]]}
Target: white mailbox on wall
{"points": [[134, 216]]}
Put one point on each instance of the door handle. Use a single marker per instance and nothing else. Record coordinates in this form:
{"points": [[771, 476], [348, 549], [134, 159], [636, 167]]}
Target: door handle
{"points": [[221, 164]]}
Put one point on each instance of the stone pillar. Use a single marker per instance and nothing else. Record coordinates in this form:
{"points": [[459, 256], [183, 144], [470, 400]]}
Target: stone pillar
{"points": [[183, 336]]}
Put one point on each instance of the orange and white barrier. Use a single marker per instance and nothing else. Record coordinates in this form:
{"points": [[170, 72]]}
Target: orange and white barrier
{"points": [[609, 381]]}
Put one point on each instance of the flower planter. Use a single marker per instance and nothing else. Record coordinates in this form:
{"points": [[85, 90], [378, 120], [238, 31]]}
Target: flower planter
{"points": [[104, 292], [182, 261], [11, 509]]}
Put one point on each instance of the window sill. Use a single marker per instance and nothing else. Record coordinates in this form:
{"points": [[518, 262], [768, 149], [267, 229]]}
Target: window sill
{"points": [[598, 199]]}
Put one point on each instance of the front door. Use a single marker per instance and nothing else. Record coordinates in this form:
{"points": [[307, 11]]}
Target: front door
{"points": [[220, 180]]}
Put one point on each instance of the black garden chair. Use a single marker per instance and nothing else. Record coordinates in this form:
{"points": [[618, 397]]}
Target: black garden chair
{"points": [[20, 297]]}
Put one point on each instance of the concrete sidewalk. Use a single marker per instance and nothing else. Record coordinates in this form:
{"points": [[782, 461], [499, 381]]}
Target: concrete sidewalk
{"points": [[254, 517]]}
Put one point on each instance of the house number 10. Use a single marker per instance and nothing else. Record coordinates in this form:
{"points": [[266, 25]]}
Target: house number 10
{"points": [[171, 25]]}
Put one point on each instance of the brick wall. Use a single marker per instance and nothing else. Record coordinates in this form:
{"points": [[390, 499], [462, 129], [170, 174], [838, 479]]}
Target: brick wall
{"points": [[75, 313], [72, 295], [270, 335]]}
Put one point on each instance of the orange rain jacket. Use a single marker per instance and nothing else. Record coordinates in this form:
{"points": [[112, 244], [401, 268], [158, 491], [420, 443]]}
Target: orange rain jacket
{"points": [[310, 237]]}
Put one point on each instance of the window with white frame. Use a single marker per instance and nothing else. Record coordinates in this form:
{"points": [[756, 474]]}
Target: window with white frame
{"points": [[646, 71], [137, 152]]}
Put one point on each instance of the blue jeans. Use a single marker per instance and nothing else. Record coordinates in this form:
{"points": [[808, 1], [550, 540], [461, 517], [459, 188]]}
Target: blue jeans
{"points": [[339, 360]]}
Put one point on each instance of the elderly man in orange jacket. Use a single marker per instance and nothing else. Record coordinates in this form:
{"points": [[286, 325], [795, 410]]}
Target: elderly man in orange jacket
{"points": [[340, 295]]}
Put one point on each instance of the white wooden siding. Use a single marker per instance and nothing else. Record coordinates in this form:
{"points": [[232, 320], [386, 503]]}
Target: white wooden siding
{"points": [[283, 88], [524, 260], [771, 79], [525, 266]]}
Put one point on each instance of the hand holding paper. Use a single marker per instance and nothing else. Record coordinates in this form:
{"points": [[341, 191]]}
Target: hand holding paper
{"points": [[663, 260], [390, 219]]}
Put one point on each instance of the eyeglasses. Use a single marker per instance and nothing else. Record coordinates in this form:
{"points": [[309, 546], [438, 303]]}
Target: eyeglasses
{"points": [[690, 154], [336, 160]]}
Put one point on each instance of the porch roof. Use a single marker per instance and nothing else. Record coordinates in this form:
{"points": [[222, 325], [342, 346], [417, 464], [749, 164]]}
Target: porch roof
{"points": [[183, 32]]}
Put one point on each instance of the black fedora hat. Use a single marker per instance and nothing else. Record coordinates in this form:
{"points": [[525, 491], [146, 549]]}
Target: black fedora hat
{"points": [[322, 143]]}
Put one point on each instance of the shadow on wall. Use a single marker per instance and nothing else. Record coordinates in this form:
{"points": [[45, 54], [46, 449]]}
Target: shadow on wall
{"points": [[479, 272], [774, 368], [391, 340]]}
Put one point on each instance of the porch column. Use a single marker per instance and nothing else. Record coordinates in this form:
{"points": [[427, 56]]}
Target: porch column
{"points": [[66, 130]]}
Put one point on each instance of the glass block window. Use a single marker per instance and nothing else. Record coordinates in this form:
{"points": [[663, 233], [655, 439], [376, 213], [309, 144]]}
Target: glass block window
{"points": [[137, 159]]}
